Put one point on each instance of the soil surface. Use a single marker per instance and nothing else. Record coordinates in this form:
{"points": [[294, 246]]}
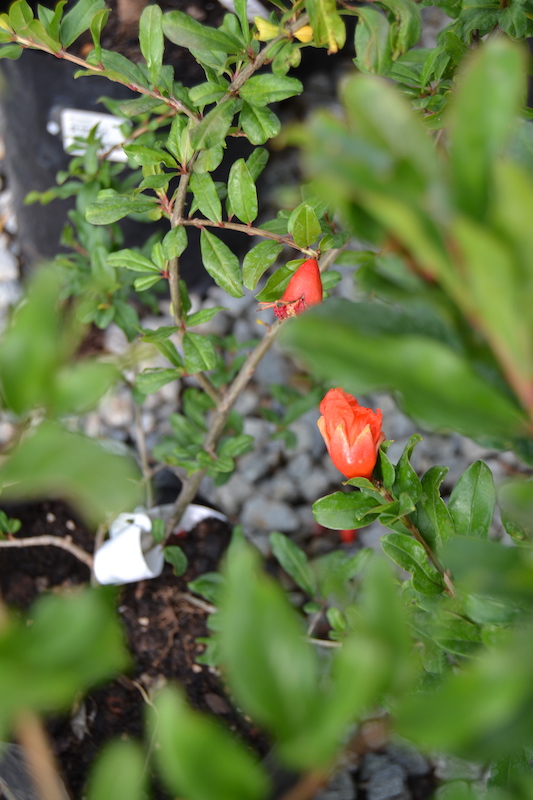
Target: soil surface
{"points": [[161, 625]]}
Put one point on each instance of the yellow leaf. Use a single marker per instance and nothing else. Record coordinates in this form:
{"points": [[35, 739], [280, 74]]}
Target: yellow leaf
{"points": [[305, 34], [265, 30]]}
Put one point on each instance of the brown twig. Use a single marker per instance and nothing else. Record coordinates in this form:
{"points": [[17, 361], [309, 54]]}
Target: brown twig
{"points": [[54, 541], [249, 230]]}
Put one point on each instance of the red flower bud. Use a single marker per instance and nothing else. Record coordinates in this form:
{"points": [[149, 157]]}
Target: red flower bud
{"points": [[304, 290], [351, 432]]}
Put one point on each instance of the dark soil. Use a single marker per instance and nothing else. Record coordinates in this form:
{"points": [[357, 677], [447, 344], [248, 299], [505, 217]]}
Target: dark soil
{"points": [[161, 626]]}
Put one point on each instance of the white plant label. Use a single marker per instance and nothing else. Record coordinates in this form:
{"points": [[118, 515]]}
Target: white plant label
{"points": [[79, 123]]}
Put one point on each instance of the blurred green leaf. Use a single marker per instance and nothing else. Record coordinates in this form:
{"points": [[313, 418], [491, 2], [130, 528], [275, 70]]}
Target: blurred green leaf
{"points": [[119, 773], [69, 642], [175, 556], [78, 19], [272, 671], [294, 562], [471, 503], [185, 737], [365, 347], [111, 206], [485, 106], [52, 462], [131, 259]]}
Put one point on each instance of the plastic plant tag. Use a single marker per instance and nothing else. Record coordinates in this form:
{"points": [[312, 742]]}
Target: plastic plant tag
{"points": [[193, 514], [76, 123], [129, 554]]}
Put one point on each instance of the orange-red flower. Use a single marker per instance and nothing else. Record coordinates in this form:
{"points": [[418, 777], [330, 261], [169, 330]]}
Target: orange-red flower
{"points": [[304, 290], [351, 432]]}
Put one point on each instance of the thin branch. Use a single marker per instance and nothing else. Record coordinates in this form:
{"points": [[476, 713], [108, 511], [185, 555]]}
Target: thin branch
{"points": [[54, 541], [38, 754], [248, 229]]}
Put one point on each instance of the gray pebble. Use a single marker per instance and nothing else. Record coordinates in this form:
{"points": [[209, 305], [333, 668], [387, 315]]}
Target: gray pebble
{"points": [[340, 787], [384, 779], [408, 757], [267, 515]]}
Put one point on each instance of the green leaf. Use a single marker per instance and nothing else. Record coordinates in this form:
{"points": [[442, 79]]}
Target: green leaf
{"points": [[184, 737], [411, 556], [98, 23], [408, 26], [372, 41], [258, 260], [175, 242], [12, 51], [78, 19], [204, 94], [20, 15], [38, 33], [205, 195], [182, 29], [344, 511], [149, 156], [242, 192], [213, 128], [260, 90], [203, 316], [294, 562], [110, 207], [236, 445], [432, 517], [328, 26], [365, 347], [276, 284], [259, 124], [479, 126], [406, 478], [257, 161], [304, 226], [509, 770], [221, 264], [175, 556], [151, 40], [388, 473], [456, 635], [198, 352], [152, 380], [146, 282], [258, 627], [209, 160], [52, 462], [119, 773], [70, 641], [471, 503], [131, 259]]}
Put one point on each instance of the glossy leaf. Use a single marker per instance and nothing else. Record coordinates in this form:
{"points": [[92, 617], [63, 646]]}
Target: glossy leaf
{"points": [[432, 517], [131, 259], [205, 195], [242, 192], [78, 19], [471, 503], [213, 128], [151, 39], [198, 352], [175, 242], [149, 156], [258, 260], [344, 511], [221, 264], [406, 478], [260, 90], [203, 316], [259, 124], [304, 226], [152, 380], [182, 29], [411, 556]]}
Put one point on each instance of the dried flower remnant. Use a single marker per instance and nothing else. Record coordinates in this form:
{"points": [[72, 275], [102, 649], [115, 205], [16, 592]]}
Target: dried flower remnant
{"points": [[303, 291]]}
